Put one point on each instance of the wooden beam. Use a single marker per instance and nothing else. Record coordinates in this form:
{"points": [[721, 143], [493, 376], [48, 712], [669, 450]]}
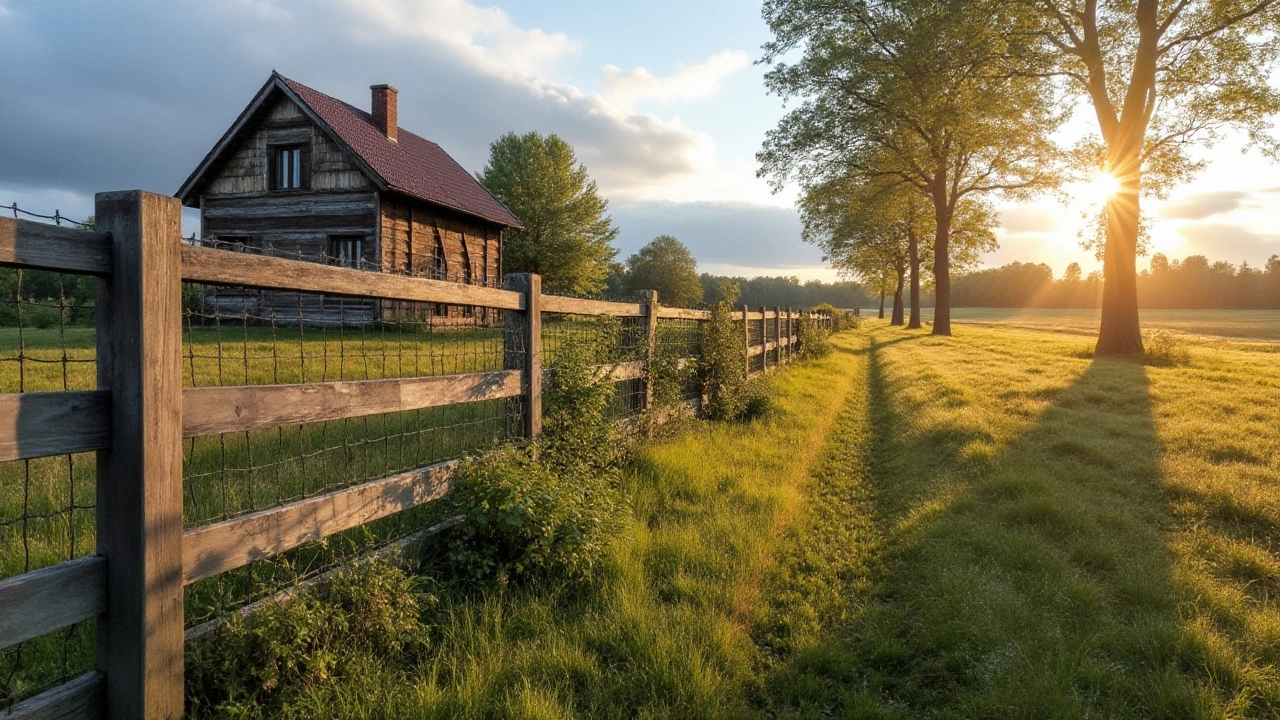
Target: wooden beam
{"points": [[53, 423], [139, 488], [78, 699], [217, 548], [216, 410], [579, 306], [44, 600], [223, 267], [670, 313], [27, 244]]}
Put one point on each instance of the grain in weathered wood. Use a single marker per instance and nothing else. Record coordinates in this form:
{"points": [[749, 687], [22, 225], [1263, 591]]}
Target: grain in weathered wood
{"points": [[216, 410], [44, 600], [38, 246], [78, 699], [649, 299], [777, 334], [522, 345], [209, 265], [746, 336], [217, 548], [579, 306], [139, 482], [670, 313], [754, 350], [764, 338], [53, 423]]}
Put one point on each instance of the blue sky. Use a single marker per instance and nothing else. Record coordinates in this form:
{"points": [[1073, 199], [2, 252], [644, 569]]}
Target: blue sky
{"points": [[662, 100]]}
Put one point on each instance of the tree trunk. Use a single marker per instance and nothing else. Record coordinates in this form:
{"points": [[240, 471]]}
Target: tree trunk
{"points": [[897, 298], [914, 246], [881, 303], [1120, 333], [941, 257]]}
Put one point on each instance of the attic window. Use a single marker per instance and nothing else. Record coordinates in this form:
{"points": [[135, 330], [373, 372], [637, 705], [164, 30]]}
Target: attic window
{"points": [[288, 167]]}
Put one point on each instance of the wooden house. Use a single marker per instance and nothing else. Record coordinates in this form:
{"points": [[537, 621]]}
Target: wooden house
{"points": [[301, 174]]}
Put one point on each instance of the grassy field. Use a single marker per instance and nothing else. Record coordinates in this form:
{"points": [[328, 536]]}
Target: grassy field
{"points": [[993, 525], [1242, 324], [46, 504]]}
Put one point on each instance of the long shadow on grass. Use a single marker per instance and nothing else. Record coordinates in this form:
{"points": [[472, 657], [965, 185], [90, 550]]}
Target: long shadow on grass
{"points": [[1029, 579]]}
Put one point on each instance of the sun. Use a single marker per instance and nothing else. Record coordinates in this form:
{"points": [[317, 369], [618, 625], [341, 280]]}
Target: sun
{"points": [[1098, 190]]}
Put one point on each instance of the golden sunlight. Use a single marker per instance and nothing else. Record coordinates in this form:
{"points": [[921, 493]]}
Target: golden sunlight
{"points": [[1098, 190]]}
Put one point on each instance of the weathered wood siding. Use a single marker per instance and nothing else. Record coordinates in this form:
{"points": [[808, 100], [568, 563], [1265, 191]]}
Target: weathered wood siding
{"points": [[412, 231], [244, 173]]}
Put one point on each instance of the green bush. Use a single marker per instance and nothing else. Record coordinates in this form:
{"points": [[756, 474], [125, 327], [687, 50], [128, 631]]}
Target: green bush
{"points": [[548, 509], [811, 339], [722, 367], [667, 382], [1165, 348], [840, 319], [251, 666]]}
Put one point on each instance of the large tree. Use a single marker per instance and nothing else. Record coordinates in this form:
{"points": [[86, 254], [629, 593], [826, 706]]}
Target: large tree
{"points": [[917, 90], [667, 266], [568, 236], [1161, 76]]}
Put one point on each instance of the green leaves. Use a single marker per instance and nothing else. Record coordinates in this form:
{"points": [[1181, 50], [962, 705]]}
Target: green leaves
{"points": [[667, 266], [567, 236]]}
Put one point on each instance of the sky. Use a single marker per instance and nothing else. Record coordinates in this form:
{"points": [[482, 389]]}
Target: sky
{"points": [[662, 100]]}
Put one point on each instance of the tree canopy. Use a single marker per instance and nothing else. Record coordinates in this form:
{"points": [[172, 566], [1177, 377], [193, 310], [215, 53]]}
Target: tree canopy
{"points": [[667, 266], [568, 236], [917, 91]]}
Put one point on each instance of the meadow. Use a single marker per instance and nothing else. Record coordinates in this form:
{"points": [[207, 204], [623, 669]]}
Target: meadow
{"points": [[992, 525], [1207, 324], [995, 524]]}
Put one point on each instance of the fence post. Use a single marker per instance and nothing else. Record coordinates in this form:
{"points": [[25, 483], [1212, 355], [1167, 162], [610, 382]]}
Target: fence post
{"points": [[777, 335], [746, 339], [522, 344], [139, 487], [649, 298], [788, 350], [764, 341]]}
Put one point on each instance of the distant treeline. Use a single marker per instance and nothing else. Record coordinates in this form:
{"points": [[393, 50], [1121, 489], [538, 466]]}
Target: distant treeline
{"points": [[783, 292], [1193, 283]]}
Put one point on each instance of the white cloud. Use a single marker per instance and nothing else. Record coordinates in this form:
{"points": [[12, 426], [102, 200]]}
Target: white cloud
{"points": [[627, 88], [485, 36]]}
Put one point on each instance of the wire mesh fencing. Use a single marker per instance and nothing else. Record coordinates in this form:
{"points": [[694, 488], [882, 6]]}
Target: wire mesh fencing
{"points": [[234, 336], [47, 504]]}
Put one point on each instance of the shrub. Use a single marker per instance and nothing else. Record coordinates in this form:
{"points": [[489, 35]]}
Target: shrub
{"points": [[550, 508], [722, 368], [251, 666], [840, 320], [811, 339], [1164, 348], [667, 383]]}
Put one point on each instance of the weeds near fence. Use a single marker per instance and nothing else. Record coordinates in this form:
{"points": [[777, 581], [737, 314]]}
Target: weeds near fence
{"points": [[722, 363]]}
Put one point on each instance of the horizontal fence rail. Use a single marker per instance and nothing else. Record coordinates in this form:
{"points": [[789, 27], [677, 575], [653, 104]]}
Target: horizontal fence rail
{"points": [[139, 414]]}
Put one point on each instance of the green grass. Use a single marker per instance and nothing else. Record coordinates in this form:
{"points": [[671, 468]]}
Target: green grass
{"points": [[993, 525], [666, 630], [1058, 537], [1242, 324]]}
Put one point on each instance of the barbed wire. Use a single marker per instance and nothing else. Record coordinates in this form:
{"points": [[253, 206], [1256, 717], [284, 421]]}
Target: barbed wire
{"points": [[57, 217]]}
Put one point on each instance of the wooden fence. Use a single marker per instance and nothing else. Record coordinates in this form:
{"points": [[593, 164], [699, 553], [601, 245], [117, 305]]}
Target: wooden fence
{"points": [[137, 418]]}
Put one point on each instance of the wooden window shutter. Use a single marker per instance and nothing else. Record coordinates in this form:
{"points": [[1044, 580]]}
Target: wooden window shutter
{"points": [[305, 177]]}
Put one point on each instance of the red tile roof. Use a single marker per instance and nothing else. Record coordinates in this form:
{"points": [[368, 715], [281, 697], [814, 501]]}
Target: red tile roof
{"points": [[414, 165]]}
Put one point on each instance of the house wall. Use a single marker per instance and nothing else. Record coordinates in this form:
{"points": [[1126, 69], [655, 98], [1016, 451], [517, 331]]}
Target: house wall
{"points": [[409, 230]]}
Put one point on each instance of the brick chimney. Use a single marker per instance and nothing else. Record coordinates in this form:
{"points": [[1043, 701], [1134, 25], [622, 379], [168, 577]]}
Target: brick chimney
{"points": [[384, 111]]}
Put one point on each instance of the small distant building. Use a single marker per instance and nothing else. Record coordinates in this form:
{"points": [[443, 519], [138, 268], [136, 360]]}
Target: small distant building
{"points": [[304, 175]]}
